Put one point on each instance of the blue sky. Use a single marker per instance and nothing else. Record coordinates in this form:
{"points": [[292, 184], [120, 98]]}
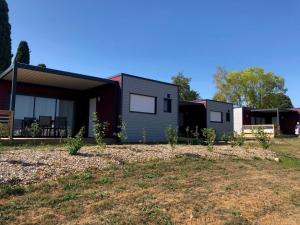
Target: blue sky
{"points": [[158, 39]]}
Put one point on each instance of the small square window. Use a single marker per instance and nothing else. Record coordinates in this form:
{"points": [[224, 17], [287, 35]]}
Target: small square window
{"points": [[228, 117], [167, 105]]}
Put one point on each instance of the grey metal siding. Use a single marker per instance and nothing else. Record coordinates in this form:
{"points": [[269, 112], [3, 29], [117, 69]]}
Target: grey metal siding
{"points": [[224, 127], [154, 124]]}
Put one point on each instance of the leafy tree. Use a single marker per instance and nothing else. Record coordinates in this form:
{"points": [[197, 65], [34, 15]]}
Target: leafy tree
{"points": [[248, 87], [23, 53], [278, 100], [42, 65], [185, 91], [5, 40]]}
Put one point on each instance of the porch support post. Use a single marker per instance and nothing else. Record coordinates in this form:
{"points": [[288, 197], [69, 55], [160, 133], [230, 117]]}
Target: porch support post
{"points": [[13, 97], [278, 121]]}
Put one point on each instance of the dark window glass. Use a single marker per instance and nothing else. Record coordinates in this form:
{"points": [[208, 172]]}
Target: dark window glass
{"points": [[228, 116], [167, 105]]}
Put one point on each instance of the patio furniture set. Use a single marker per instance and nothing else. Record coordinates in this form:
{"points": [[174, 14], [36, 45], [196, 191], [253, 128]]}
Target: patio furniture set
{"points": [[47, 126]]}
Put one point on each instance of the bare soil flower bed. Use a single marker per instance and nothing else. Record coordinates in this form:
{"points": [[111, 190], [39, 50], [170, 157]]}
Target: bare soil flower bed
{"points": [[32, 165]]}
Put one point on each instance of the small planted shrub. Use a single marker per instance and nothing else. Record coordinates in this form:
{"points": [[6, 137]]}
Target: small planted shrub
{"points": [[226, 138], [188, 135], [3, 131], [171, 136], [100, 130], [196, 134], [144, 136], [75, 144], [263, 138], [34, 130], [122, 133], [209, 135], [237, 140]]}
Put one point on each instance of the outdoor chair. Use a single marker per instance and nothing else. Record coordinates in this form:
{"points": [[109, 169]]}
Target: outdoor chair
{"points": [[60, 126], [45, 125]]}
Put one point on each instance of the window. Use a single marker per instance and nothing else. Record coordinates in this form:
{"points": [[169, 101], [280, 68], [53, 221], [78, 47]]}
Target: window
{"points": [[167, 105], [216, 117], [228, 117], [44, 107], [24, 106], [65, 108], [31, 106], [142, 104]]}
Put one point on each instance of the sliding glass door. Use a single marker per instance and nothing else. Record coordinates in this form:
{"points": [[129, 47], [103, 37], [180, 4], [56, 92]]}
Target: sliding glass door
{"points": [[44, 107], [34, 107], [24, 106], [65, 108]]}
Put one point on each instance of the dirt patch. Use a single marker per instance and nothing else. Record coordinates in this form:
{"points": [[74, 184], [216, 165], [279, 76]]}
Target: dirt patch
{"points": [[31, 165]]}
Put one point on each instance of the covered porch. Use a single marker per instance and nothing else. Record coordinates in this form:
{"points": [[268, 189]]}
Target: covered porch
{"points": [[59, 102], [191, 115], [283, 120]]}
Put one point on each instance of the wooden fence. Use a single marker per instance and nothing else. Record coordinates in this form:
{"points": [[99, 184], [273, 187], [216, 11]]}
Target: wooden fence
{"points": [[6, 124], [249, 130]]}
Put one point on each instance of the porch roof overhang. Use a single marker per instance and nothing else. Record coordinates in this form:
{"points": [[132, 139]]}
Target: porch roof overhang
{"points": [[273, 110], [186, 103], [53, 78]]}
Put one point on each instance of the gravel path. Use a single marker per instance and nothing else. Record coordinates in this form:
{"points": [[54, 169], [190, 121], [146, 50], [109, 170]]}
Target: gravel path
{"points": [[32, 165]]}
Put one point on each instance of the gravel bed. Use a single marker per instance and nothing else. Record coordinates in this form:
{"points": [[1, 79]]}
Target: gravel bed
{"points": [[32, 165]]}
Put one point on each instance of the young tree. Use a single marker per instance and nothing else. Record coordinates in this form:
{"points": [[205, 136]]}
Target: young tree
{"points": [[278, 100], [23, 53], [5, 40], [185, 91], [248, 87]]}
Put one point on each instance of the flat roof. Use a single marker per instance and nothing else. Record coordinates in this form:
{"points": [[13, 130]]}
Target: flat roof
{"points": [[54, 78], [143, 78], [272, 110]]}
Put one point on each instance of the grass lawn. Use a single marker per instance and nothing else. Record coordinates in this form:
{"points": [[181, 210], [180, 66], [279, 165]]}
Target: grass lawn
{"points": [[182, 190]]}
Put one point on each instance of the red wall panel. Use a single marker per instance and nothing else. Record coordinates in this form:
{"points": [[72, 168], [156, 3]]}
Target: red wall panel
{"points": [[4, 94]]}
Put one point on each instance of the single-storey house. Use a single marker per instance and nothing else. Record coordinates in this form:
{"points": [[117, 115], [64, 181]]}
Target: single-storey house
{"points": [[60, 99], [283, 120], [206, 114]]}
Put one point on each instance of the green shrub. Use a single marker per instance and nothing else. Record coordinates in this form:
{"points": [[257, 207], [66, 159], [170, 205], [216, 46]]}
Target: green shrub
{"points": [[237, 140], [171, 136], [262, 137], [144, 136], [122, 133], [196, 134], [105, 180], [209, 135], [226, 137], [3, 131], [188, 135], [34, 130], [100, 130], [75, 144]]}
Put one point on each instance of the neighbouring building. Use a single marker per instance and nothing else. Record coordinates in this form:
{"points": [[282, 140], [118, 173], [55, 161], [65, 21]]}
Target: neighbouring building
{"points": [[284, 120], [60, 99], [206, 114]]}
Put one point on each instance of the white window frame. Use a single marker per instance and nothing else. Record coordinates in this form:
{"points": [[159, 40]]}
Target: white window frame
{"points": [[139, 103], [214, 119]]}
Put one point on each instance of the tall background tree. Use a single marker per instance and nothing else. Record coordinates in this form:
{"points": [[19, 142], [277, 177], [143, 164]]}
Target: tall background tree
{"points": [[42, 65], [185, 91], [250, 87], [23, 53], [278, 100], [5, 40]]}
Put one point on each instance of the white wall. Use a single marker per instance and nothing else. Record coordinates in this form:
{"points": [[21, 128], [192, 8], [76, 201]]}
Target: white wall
{"points": [[238, 119]]}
